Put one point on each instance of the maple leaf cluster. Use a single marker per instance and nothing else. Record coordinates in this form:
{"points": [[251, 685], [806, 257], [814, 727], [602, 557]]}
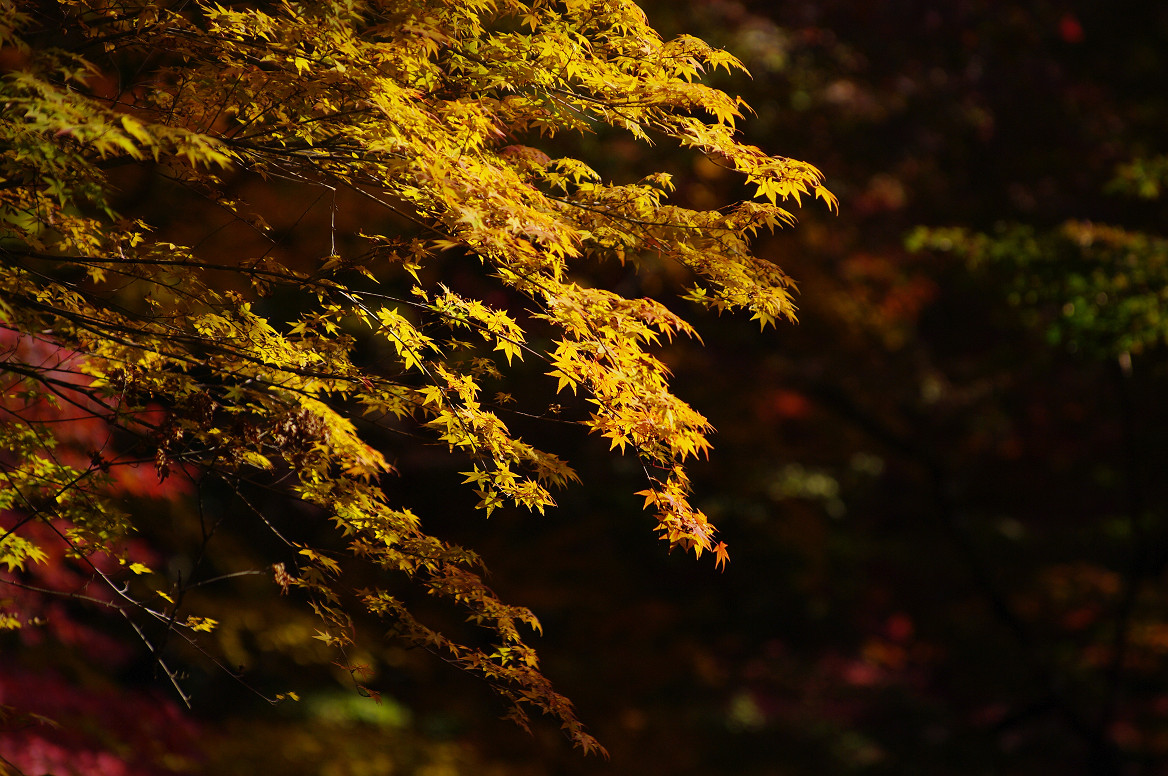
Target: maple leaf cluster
{"points": [[249, 365]]}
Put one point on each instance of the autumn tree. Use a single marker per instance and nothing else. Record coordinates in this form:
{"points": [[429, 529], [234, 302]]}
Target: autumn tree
{"points": [[160, 332]]}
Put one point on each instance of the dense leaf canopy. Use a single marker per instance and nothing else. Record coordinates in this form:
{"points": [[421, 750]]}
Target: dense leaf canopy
{"points": [[199, 343], [943, 490]]}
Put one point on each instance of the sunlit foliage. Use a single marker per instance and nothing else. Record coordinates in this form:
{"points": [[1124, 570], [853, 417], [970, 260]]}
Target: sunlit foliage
{"points": [[193, 362]]}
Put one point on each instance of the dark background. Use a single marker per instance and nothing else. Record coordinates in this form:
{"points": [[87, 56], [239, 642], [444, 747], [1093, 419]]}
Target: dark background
{"points": [[942, 494]]}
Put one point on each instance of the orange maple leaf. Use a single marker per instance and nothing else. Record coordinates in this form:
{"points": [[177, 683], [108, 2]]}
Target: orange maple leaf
{"points": [[722, 556]]}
